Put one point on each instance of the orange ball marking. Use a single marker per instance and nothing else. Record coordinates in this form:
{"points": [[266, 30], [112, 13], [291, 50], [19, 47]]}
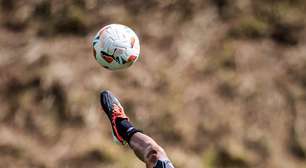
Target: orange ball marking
{"points": [[107, 58], [132, 58]]}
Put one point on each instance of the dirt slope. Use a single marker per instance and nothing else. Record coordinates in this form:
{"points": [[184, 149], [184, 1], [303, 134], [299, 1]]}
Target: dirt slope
{"points": [[219, 83]]}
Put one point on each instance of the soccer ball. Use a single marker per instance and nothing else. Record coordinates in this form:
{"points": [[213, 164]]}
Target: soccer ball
{"points": [[116, 46]]}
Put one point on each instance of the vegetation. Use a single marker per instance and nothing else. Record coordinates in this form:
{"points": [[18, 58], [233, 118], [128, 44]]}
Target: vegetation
{"points": [[220, 83]]}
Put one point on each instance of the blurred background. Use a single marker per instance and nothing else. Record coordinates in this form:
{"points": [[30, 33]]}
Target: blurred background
{"points": [[220, 83]]}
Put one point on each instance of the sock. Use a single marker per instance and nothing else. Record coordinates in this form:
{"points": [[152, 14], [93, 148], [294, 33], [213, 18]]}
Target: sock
{"points": [[125, 129]]}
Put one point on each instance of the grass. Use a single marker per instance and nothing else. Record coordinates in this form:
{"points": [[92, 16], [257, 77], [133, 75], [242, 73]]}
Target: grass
{"points": [[221, 158], [251, 28], [168, 105]]}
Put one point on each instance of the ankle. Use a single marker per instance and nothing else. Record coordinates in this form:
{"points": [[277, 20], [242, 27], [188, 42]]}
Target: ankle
{"points": [[125, 128]]}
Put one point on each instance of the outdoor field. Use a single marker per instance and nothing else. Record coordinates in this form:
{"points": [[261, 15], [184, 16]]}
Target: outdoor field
{"points": [[218, 84]]}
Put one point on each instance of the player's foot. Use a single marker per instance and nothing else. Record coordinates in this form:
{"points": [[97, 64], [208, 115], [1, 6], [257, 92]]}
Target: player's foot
{"points": [[114, 111]]}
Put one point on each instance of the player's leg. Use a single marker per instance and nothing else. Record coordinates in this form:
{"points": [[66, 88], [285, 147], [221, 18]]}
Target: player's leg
{"points": [[149, 151], [144, 147]]}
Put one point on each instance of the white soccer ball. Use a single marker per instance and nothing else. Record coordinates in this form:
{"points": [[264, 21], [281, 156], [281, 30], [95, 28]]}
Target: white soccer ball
{"points": [[116, 46]]}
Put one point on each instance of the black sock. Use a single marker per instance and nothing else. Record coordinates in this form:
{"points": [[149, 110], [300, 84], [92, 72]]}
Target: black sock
{"points": [[125, 129]]}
